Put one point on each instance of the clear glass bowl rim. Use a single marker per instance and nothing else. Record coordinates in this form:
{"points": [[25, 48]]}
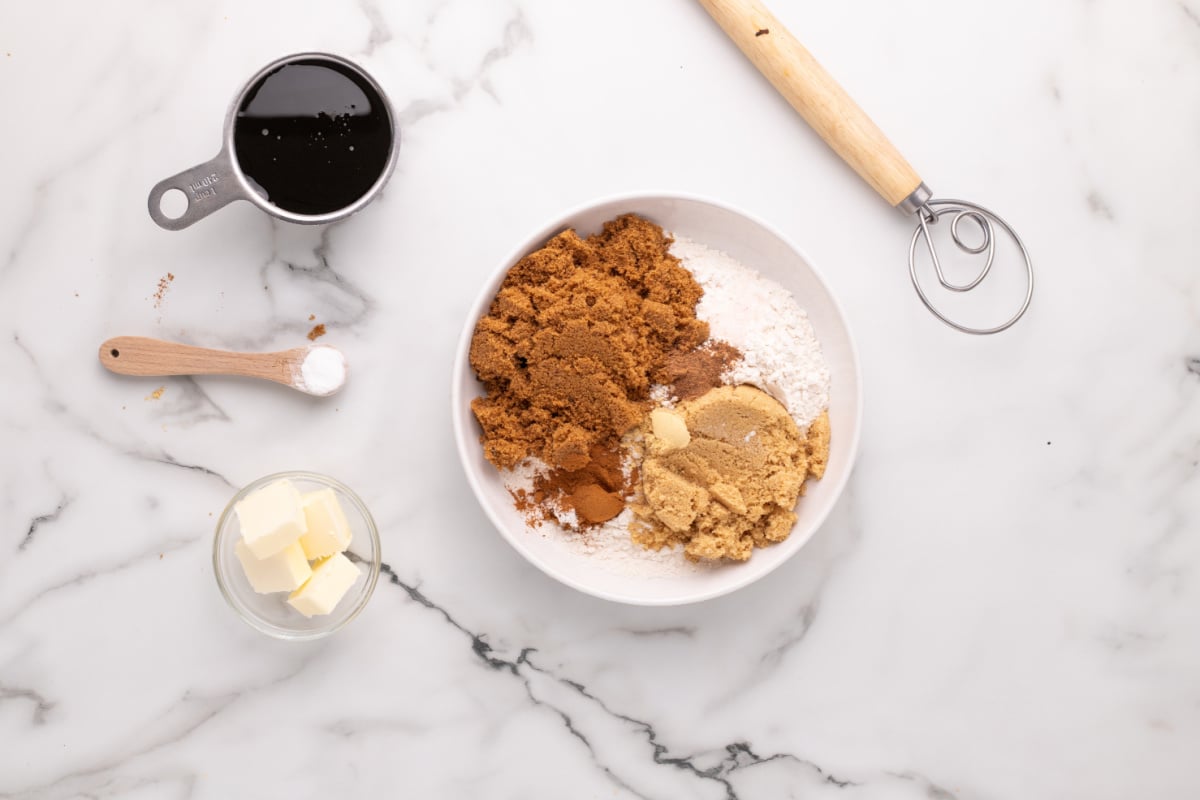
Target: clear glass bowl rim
{"points": [[373, 566]]}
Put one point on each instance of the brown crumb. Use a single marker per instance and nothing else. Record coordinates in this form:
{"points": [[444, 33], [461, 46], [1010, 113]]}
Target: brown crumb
{"points": [[311, 317], [160, 294], [160, 555], [316, 333], [528, 504], [157, 393], [762, 32]]}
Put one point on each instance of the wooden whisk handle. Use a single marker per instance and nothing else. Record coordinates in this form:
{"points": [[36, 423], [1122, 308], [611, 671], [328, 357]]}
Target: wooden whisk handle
{"points": [[818, 98]]}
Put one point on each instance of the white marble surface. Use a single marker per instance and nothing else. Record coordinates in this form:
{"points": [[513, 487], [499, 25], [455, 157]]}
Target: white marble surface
{"points": [[1006, 603]]}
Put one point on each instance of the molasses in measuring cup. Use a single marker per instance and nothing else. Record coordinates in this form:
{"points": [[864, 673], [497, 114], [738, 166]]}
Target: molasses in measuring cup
{"points": [[310, 139]]}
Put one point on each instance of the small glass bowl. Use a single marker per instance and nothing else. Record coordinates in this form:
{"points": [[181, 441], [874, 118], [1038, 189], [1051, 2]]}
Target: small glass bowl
{"points": [[270, 613]]}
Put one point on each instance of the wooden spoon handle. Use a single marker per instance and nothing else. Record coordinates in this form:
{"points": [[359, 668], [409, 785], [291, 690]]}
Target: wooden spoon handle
{"points": [[818, 98], [140, 355]]}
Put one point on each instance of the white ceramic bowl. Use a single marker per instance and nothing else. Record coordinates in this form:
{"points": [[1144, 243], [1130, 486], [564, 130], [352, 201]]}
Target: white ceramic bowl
{"points": [[756, 245]]}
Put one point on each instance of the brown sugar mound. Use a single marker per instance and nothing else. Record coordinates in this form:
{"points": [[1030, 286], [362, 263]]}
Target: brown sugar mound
{"points": [[734, 485], [569, 348]]}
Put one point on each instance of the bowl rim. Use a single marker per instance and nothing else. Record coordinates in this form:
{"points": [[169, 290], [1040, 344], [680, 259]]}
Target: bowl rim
{"points": [[487, 292], [276, 631]]}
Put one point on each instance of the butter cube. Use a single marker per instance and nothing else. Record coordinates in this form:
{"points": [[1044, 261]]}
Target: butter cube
{"points": [[328, 530], [331, 578], [271, 518], [670, 429], [281, 572]]}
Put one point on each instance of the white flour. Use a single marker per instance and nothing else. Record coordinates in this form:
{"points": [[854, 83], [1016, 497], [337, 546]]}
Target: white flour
{"points": [[780, 351], [611, 547]]}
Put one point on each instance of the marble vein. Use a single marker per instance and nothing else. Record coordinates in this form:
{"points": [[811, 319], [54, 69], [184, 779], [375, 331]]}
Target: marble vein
{"points": [[181, 720], [181, 786], [130, 119], [378, 33], [322, 270], [85, 427], [792, 636], [1099, 206], [163, 457], [41, 706], [1192, 15], [29, 226], [686, 631], [737, 755], [44, 519], [801, 621], [292, 260], [931, 790], [176, 731], [191, 405], [516, 33], [154, 552]]}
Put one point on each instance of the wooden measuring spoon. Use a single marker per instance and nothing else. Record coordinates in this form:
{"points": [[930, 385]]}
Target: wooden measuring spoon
{"points": [[318, 369]]}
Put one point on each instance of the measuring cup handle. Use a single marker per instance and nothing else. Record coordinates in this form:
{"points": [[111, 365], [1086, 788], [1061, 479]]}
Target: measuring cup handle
{"points": [[207, 186]]}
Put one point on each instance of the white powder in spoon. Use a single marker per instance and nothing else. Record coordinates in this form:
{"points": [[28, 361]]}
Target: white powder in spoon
{"points": [[323, 371], [780, 351]]}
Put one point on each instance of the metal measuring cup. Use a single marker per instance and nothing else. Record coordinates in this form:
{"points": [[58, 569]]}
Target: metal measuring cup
{"points": [[216, 183]]}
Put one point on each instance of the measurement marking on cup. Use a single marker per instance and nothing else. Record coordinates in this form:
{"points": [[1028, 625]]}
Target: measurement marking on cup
{"points": [[203, 188]]}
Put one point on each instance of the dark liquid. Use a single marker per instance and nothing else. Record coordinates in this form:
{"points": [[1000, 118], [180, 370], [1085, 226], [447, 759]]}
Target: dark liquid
{"points": [[312, 136]]}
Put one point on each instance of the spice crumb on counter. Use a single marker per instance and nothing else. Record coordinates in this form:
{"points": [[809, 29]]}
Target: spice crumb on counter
{"points": [[164, 283]]}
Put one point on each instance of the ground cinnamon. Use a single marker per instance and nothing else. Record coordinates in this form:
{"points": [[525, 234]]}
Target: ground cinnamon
{"points": [[596, 491], [693, 373], [568, 350]]}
